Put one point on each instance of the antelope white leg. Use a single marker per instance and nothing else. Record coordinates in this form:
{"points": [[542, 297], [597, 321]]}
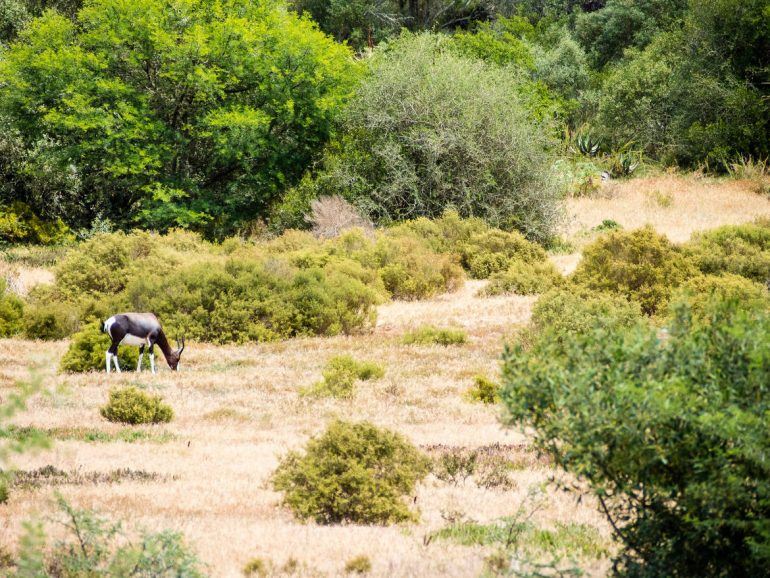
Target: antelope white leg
{"points": [[117, 366], [152, 362], [139, 363], [108, 362]]}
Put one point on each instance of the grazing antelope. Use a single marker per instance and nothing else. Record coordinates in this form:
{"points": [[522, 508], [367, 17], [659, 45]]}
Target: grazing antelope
{"points": [[142, 329]]}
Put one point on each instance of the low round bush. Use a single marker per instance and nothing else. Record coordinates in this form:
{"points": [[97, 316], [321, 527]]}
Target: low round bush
{"points": [[88, 351], [340, 376], [568, 312], [494, 250], [484, 390], [353, 472], [50, 321], [410, 269], [700, 292], [641, 265], [740, 249], [11, 311], [133, 406], [524, 278]]}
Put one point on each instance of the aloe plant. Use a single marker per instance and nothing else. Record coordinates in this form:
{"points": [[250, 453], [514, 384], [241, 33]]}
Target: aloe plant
{"points": [[587, 144]]}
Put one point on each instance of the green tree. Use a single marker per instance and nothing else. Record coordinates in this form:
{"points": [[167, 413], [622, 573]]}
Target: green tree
{"points": [[430, 129], [669, 434], [192, 113]]}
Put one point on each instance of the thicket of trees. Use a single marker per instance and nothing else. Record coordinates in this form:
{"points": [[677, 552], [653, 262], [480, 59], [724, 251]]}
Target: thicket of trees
{"points": [[211, 115]]}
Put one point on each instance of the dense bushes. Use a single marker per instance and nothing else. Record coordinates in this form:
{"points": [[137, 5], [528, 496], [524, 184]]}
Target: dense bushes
{"points": [[739, 249], [18, 224], [133, 406], [353, 472], [524, 279], [494, 250], [430, 129], [640, 265], [11, 311], [88, 351], [670, 435], [122, 142], [700, 291], [570, 312]]}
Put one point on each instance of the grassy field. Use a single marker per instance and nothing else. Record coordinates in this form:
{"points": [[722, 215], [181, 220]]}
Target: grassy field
{"points": [[238, 411]]}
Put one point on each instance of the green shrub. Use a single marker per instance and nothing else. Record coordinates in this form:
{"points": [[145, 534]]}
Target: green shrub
{"points": [[50, 321], [11, 311], [699, 292], [430, 335], [88, 351], [19, 224], [410, 269], [358, 565], [341, 374], [640, 265], [484, 390], [94, 546], [568, 312], [740, 249], [494, 250], [524, 278], [669, 434], [354, 472], [133, 406], [430, 129]]}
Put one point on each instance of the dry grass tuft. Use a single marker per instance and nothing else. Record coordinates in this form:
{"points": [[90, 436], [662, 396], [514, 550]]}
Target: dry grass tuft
{"points": [[332, 215]]}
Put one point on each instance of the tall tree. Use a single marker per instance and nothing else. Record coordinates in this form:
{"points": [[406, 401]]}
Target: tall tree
{"points": [[166, 113]]}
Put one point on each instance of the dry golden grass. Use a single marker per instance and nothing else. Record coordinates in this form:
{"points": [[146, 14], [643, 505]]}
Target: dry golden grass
{"points": [[676, 205], [238, 411]]}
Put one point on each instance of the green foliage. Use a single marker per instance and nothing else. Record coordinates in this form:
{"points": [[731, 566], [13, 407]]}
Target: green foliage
{"points": [[133, 406], [358, 565], [570, 312], [18, 224], [679, 107], [430, 129], [699, 292], [567, 539], [341, 374], [88, 350], [353, 472], [484, 390], [587, 144], [524, 278], [94, 546], [411, 270], [640, 265], [501, 42], [11, 311], [50, 321], [430, 335], [494, 250], [684, 418], [191, 114], [607, 225], [739, 249]]}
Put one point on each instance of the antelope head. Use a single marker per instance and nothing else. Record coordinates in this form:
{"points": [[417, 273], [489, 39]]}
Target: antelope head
{"points": [[176, 355]]}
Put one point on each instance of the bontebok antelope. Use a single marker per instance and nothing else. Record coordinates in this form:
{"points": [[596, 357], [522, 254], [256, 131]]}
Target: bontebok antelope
{"points": [[144, 330]]}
